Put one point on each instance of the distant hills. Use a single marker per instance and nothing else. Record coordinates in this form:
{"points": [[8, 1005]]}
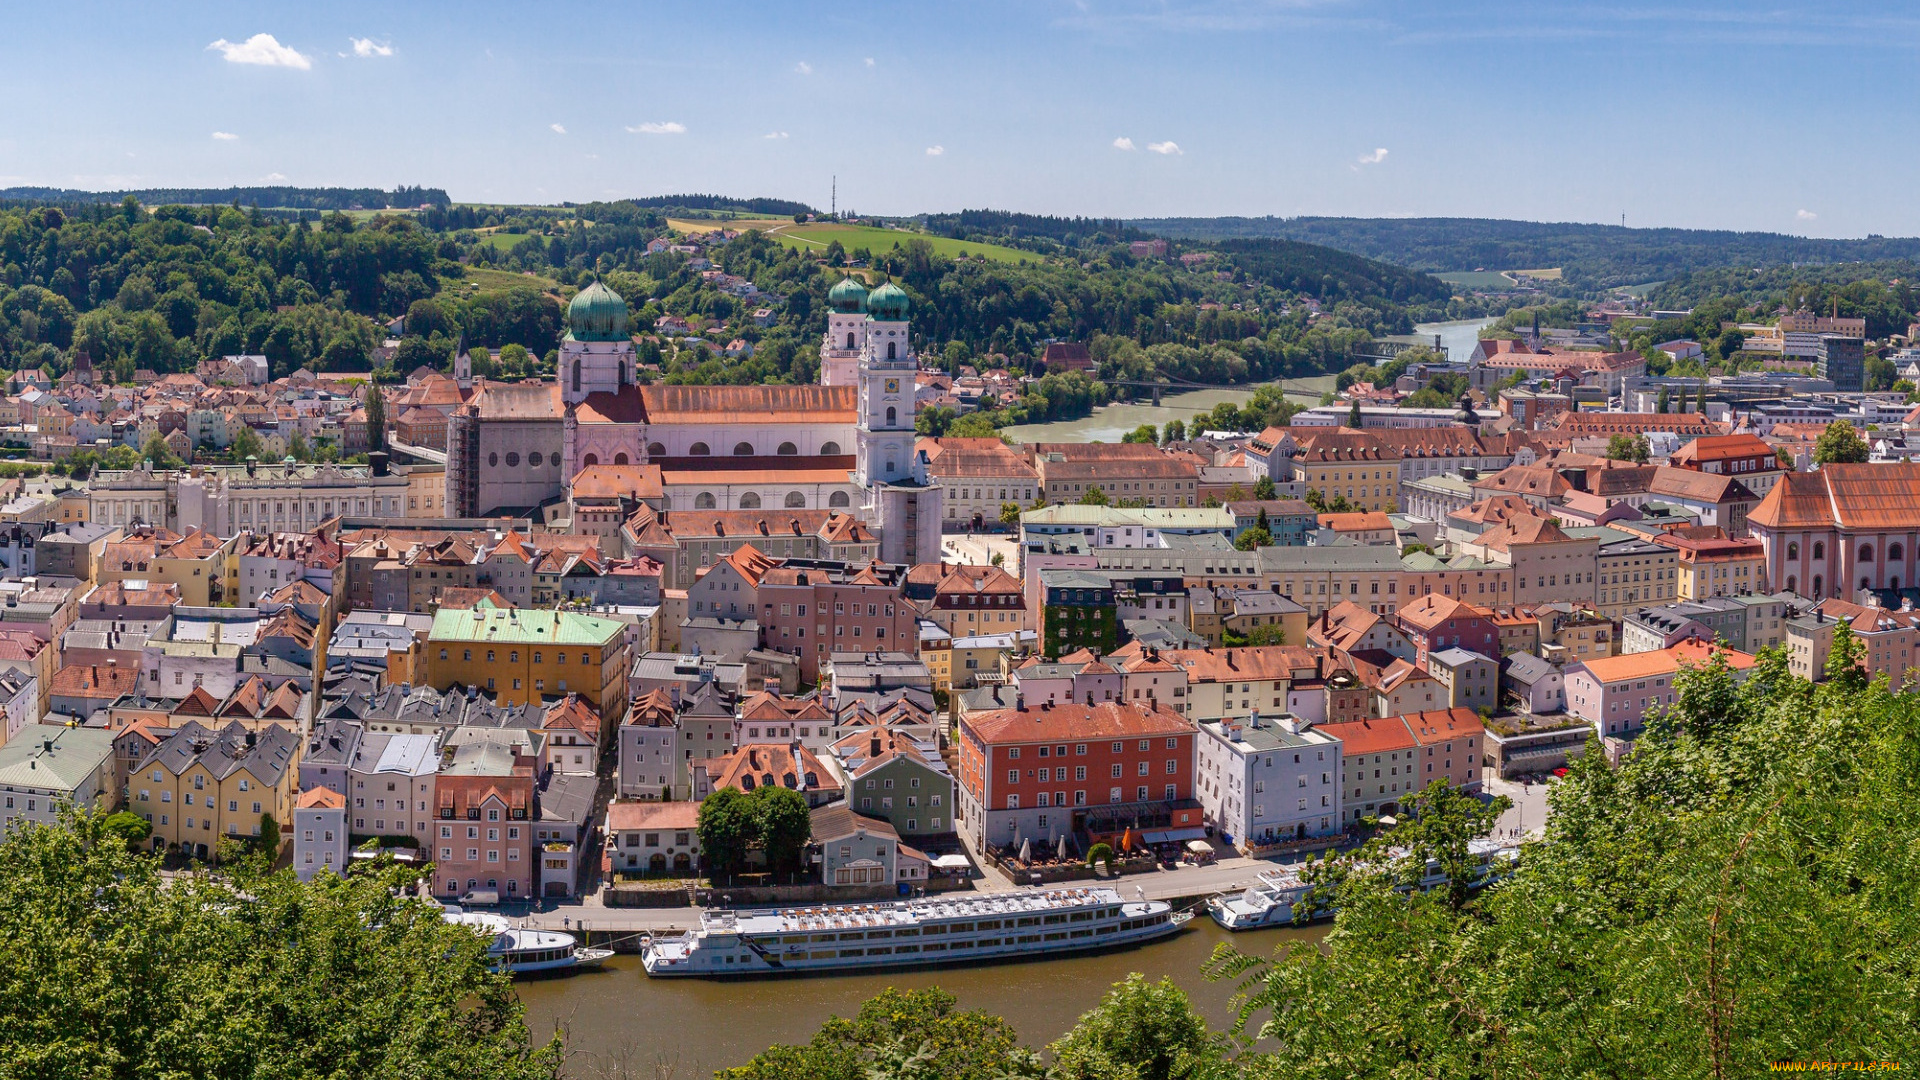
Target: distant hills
{"points": [[289, 198], [1593, 256]]}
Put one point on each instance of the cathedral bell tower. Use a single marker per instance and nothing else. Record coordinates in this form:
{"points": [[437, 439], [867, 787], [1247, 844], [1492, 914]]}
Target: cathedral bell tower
{"points": [[900, 503], [596, 356], [886, 371]]}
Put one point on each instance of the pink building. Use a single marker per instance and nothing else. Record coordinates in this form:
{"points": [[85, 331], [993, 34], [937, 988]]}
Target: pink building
{"points": [[1842, 529], [1615, 693], [485, 814]]}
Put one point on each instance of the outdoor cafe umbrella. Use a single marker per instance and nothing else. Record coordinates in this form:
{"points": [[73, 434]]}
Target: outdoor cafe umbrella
{"points": [[1063, 847], [1026, 850]]}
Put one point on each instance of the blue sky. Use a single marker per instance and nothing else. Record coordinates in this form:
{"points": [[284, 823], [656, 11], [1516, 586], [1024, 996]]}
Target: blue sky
{"points": [[1725, 115]]}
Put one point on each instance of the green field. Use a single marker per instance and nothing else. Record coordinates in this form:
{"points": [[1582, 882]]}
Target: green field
{"points": [[1484, 280], [817, 236], [480, 278]]}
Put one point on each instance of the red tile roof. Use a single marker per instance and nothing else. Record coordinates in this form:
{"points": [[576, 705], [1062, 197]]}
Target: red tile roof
{"points": [[1075, 721]]}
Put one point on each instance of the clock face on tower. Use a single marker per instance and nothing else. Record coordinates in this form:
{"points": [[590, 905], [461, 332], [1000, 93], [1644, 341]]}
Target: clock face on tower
{"points": [[893, 386]]}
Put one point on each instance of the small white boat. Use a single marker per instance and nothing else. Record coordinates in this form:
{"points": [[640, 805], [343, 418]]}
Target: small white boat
{"points": [[520, 950], [1271, 900], [863, 937]]}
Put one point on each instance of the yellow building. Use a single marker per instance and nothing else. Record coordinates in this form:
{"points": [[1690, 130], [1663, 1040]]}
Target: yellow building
{"points": [[527, 656], [1720, 567], [200, 786], [1350, 465], [205, 566]]}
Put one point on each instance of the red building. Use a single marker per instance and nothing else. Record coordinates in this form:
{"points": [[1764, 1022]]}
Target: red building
{"points": [[484, 811], [1436, 622], [1040, 773]]}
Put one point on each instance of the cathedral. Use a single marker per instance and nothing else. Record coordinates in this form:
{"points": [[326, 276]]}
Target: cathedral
{"points": [[846, 443]]}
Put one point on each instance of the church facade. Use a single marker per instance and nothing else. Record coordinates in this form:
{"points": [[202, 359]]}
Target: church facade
{"points": [[847, 443]]}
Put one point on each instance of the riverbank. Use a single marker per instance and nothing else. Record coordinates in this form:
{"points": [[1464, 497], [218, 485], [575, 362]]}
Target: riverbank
{"points": [[1110, 422], [702, 1025]]}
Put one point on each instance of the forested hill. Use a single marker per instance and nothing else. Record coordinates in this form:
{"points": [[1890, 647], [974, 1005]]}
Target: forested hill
{"points": [[290, 198], [1592, 256]]}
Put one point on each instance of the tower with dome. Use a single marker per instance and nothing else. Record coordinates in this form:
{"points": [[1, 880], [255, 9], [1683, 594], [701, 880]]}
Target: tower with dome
{"points": [[900, 501], [846, 335]]}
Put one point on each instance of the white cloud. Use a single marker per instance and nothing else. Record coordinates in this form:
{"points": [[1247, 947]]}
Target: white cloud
{"points": [[1805, 215], [1379, 155], [367, 47], [869, 61], [668, 127], [558, 129], [1123, 143], [803, 68], [774, 135], [262, 49], [225, 136], [936, 151], [274, 177], [1168, 147]]}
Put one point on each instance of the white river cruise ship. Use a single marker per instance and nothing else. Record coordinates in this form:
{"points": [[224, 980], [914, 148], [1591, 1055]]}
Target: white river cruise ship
{"points": [[859, 937]]}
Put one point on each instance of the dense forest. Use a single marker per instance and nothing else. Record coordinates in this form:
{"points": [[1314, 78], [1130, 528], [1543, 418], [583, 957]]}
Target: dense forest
{"points": [[163, 288], [1592, 256], [289, 198], [1736, 892]]}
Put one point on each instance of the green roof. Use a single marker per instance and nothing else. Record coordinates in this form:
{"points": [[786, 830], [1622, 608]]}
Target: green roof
{"points": [[77, 752], [522, 626], [848, 297], [888, 303], [597, 314]]}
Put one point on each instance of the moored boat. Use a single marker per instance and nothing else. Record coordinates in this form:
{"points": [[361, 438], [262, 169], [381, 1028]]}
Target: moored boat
{"points": [[519, 950], [958, 930], [1271, 900]]}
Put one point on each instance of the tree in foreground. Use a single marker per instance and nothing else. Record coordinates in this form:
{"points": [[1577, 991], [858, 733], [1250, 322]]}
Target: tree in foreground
{"points": [[1736, 891], [897, 1035], [113, 973], [1140, 1031]]}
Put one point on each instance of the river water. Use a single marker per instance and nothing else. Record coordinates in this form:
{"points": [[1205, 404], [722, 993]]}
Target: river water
{"points": [[620, 1014], [1110, 423]]}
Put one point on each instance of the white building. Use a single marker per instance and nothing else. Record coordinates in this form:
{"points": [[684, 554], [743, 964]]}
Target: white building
{"points": [[319, 833], [48, 767], [1267, 781], [391, 780]]}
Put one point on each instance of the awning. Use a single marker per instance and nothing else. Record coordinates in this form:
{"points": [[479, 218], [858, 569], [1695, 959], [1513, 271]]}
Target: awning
{"points": [[1168, 836], [952, 862]]}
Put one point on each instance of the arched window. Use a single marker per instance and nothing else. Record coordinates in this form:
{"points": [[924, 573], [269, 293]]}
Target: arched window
{"points": [[1819, 551], [1818, 590], [699, 449], [890, 348], [1793, 584], [655, 449], [620, 458], [1894, 583], [829, 449], [787, 449], [849, 339], [1894, 552], [1793, 551], [838, 500], [744, 449], [590, 459], [703, 501], [796, 500], [893, 417], [576, 375], [1866, 583], [1866, 552], [750, 501]]}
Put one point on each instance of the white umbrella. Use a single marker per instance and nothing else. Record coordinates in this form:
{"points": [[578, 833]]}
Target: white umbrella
{"points": [[1026, 851], [1063, 847]]}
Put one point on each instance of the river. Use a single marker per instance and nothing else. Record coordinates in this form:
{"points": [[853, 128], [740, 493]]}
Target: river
{"points": [[705, 1025], [1108, 424]]}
